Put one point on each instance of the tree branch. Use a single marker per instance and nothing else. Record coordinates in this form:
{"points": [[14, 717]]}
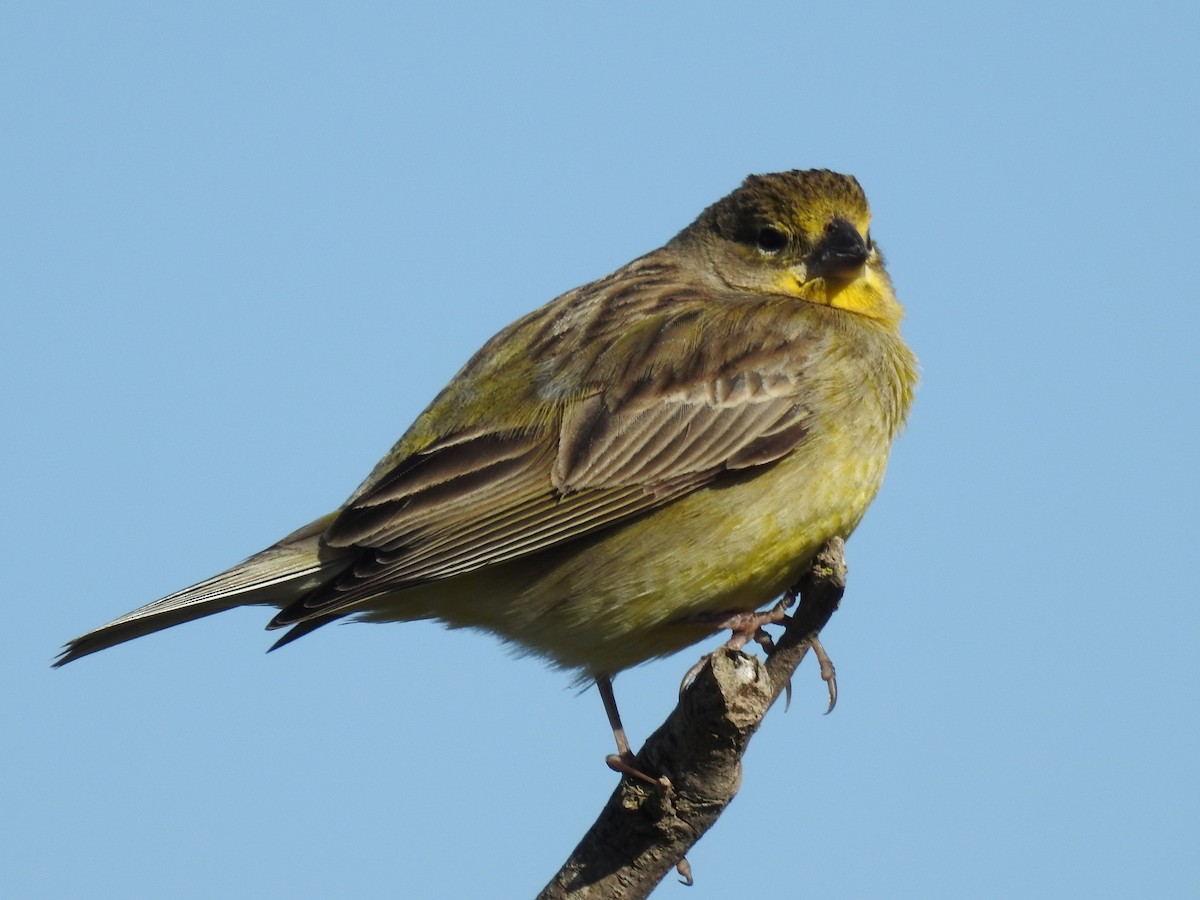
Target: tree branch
{"points": [[643, 832]]}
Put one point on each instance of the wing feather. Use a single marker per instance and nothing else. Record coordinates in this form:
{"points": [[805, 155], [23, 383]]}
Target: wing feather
{"points": [[610, 451]]}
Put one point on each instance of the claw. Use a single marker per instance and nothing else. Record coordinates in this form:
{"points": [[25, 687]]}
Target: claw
{"points": [[828, 672], [690, 675], [684, 868], [763, 638]]}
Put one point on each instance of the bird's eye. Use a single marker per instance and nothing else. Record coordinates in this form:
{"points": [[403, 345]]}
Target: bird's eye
{"points": [[770, 239]]}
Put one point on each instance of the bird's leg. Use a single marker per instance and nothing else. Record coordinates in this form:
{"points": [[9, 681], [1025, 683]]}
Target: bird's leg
{"points": [[623, 761]]}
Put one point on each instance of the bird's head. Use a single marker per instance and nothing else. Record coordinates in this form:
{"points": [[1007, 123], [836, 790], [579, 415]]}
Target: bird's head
{"points": [[802, 234]]}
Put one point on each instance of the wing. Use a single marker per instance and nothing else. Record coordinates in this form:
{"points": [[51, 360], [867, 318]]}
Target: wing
{"points": [[705, 394]]}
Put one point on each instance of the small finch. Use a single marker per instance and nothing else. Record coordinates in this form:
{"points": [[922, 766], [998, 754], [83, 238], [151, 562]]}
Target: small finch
{"points": [[616, 474]]}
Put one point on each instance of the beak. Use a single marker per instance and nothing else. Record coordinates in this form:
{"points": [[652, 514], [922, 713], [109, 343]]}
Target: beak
{"points": [[841, 253]]}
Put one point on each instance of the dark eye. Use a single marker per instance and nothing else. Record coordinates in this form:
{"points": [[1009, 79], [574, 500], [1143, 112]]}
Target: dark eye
{"points": [[770, 239]]}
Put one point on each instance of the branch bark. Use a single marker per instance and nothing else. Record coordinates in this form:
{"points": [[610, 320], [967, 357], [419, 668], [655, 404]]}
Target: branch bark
{"points": [[644, 832]]}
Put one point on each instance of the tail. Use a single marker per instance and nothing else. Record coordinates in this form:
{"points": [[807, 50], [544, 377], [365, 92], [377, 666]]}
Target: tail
{"points": [[276, 577]]}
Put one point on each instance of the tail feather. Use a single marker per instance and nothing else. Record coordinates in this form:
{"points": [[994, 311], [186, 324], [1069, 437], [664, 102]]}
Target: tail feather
{"points": [[300, 629], [276, 577]]}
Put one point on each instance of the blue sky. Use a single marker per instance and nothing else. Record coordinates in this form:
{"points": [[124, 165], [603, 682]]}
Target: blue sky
{"points": [[244, 244]]}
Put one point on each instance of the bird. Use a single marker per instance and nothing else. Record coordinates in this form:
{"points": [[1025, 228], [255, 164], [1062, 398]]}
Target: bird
{"points": [[620, 473]]}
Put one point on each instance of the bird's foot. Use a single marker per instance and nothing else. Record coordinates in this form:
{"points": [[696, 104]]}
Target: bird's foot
{"points": [[626, 764], [746, 627], [623, 761]]}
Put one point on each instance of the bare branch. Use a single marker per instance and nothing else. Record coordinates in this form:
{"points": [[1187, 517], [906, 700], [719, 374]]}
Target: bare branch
{"points": [[644, 832]]}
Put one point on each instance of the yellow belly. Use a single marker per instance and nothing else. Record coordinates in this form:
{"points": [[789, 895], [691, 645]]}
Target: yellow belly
{"points": [[606, 603]]}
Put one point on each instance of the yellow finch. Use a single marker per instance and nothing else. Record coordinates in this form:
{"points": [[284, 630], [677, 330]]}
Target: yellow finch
{"points": [[615, 472]]}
